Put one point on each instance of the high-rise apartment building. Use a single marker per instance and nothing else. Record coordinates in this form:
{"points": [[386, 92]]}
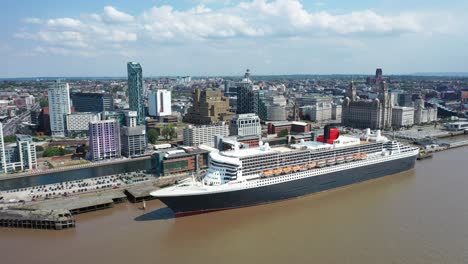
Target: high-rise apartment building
{"points": [[104, 140], [92, 102], [205, 134], [21, 157], [136, 91], [159, 103], [59, 106], [209, 106]]}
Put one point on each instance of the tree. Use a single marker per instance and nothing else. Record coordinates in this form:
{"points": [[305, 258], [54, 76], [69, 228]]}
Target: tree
{"points": [[55, 151], [283, 133], [39, 148], [168, 132], [44, 102], [153, 135], [9, 139]]}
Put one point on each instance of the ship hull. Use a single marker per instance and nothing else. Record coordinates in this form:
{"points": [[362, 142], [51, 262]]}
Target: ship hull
{"points": [[203, 203]]}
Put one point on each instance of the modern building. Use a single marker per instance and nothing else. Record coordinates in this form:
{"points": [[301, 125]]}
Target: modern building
{"points": [[133, 141], [92, 102], [209, 107], [131, 118], [402, 116], [21, 157], [365, 113], [204, 134], [136, 91], [180, 160], [245, 125], [78, 122], [247, 99], [159, 103], [422, 114], [59, 106], [104, 140]]}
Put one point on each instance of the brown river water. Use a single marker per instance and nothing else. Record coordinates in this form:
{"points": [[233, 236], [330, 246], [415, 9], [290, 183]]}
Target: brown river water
{"points": [[419, 216]]}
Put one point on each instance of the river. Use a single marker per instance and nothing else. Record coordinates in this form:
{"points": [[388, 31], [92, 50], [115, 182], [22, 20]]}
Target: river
{"points": [[419, 216]]}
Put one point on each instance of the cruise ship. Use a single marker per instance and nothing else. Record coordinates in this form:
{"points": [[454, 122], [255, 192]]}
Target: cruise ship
{"points": [[253, 176]]}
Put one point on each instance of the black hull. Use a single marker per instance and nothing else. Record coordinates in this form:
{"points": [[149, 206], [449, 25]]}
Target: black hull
{"points": [[195, 204]]}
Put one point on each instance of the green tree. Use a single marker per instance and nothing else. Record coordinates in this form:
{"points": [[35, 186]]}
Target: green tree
{"points": [[9, 139], [283, 133], [168, 132], [39, 148], [44, 102], [55, 151], [153, 135]]}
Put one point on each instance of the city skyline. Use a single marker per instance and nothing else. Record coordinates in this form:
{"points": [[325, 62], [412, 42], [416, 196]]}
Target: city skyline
{"points": [[215, 38]]}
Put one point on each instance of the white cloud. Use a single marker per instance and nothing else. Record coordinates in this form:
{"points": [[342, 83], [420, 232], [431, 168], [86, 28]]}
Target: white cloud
{"points": [[114, 30], [111, 14], [32, 20]]}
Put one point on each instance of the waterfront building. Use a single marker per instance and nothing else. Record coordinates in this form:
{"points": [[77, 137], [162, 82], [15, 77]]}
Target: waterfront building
{"points": [[422, 114], [204, 134], [104, 140], [180, 160], [159, 103], [59, 106], [402, 116], [209, 107], [133, 141], [21, 157], [92, 102], [136, 91], [318, 110], [78, 122], [245, 125], [365, 113]]}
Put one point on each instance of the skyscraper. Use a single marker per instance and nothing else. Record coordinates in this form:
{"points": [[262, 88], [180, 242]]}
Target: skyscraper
{"points": [[136, 91], [133, 136], [246, 97], [159, 103], [92, 102], [104, 140], [59, 106]]}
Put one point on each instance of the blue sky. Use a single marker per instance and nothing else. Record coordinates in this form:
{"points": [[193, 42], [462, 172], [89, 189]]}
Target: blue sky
{"points": [[224, 37]]}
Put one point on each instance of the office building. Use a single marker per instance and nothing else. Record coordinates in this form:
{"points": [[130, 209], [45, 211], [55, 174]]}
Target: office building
{"points": [[159, 103], [180, 160], [133, 136], [205, 134], [92, 102], [104, 140], [402, 116], [245, 125], [136, 91], [78, 122], [337, 110], [209, 106], [292, 127], [247, 99], [365, 113], [59, 106]]}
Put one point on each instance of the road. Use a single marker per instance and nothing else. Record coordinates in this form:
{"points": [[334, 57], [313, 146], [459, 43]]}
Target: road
{"points": [[9, 128]]}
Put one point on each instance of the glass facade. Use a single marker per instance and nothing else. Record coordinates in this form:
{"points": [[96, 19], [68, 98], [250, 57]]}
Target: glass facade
{"points": [[136, 91]]}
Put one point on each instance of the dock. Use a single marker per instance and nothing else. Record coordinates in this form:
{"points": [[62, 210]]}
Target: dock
{"points": [[36, 219]]}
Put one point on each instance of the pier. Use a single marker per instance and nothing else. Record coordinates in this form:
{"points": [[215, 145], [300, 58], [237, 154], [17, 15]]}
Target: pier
{"points": [[57, 219]]}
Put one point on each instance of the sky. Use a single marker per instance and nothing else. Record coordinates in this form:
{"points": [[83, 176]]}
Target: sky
{"points": [[56, 38]]}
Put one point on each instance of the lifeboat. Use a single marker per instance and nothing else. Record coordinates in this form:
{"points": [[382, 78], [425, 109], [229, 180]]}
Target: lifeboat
{"points": [[277, 171], [296, 168], [304, 167], [286, 170], [311, 165], [321, 163], [267, 173], [363, 156], [331, 161], [356, 156], [340, 160], [349, 158]]}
